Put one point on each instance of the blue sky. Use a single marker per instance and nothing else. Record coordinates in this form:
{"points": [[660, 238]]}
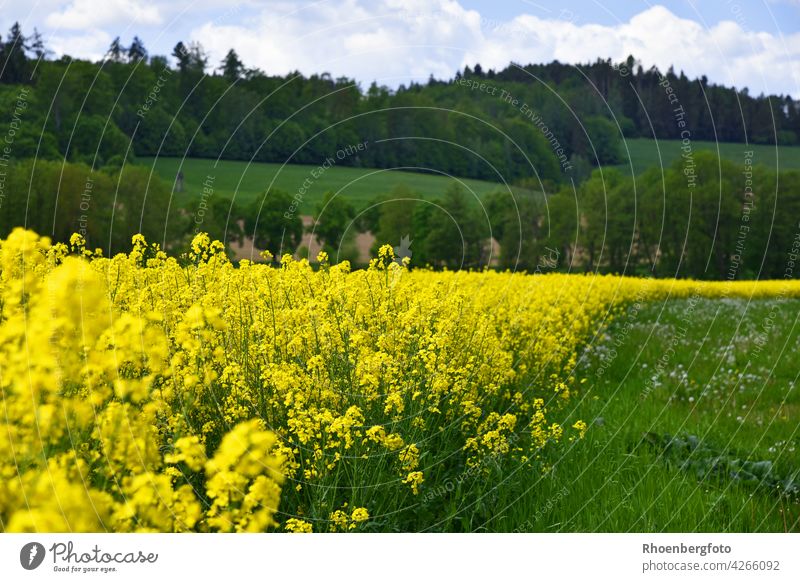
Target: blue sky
{"points": [[753, 43], [761, 15]]}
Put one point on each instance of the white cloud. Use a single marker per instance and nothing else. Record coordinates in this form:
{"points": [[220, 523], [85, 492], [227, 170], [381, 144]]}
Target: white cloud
{"points": [[726, 53], [366, 40], [395, 41], [91, 45], [89, 14]]}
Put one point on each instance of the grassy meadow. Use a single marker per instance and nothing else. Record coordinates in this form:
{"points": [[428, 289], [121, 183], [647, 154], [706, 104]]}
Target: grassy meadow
{"points": [[244, 182], [643, 153], [717, 374]]}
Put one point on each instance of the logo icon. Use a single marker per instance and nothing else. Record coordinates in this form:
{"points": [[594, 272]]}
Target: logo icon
{"points": [[404, 250], [31, 555]]}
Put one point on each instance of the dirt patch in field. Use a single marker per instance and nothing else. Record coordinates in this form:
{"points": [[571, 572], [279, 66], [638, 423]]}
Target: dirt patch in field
{"points": [[364, 242], [247, 250]]}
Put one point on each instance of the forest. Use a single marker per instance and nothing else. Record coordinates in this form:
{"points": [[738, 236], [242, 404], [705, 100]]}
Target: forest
{"points": [[77, 127], [135, 104]]}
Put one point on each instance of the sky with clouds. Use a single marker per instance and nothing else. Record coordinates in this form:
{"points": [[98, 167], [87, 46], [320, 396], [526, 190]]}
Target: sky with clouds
{"points": [[744, 43]]}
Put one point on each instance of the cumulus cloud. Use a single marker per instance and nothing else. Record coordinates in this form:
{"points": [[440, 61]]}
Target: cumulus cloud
{"points": [[89, 14], [386, 40], [397, 41], [91, 45], [726, 52]]}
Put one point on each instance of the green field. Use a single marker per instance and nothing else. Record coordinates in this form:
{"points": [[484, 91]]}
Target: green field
{"points": [[243, 181], [732, 405], [646, 153]]}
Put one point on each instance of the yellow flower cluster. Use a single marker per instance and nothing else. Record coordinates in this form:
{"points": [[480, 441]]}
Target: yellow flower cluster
{"points": [[93, 436], [341, 521], [144, 392]]}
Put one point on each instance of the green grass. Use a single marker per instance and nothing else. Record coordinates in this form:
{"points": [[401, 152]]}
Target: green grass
{"points": [[361, 185], [716, 384], [246, 182], [646, 153]]}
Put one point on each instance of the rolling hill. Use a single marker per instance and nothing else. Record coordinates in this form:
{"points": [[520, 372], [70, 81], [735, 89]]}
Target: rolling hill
{"points": [[243, 181], [645, 153]]}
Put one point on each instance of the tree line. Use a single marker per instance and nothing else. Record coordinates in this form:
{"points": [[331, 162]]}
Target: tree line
{"points": [[720, 221], [535, 125], [515, 126]]}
